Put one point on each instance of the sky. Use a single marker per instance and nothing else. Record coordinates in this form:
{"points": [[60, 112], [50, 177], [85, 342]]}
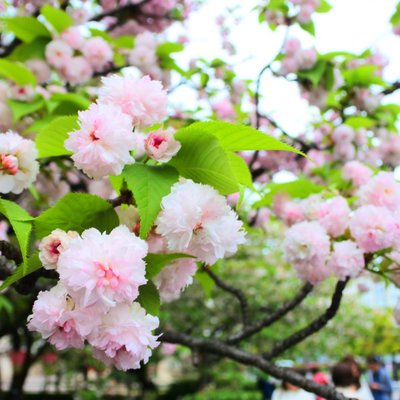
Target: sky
{"points": [[352, 25]]}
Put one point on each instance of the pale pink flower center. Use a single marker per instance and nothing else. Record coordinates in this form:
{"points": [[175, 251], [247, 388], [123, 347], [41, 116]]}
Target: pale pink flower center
{"points": [[157, 141], [107, 277], [9, 164]]}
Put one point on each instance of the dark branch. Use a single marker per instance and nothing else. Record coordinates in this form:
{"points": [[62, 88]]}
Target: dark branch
{"points": [[315, 326], [395, 86], [234, 292], [222, 349], [275, 316]]}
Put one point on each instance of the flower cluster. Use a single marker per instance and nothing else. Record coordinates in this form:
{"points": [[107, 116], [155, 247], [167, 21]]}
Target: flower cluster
{"points": [[103, 143], [297, 58], [93, 302]]}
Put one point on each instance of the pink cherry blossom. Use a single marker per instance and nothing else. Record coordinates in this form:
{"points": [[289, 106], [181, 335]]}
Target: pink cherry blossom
{"points": [[18, 165], [306, 246], [56, 317], [40, 69], [373, 228], [347, 260], [73, 37], [307, 58], [125, 337], [53, 245], [334, 216], [108, 268], [58, 53], [196, 219], [381, 190], [143, 100], [161, 145], [290, 65], [103, 143], [343, 134], [77, 71], [357, 173], [292, 46], [174, 278], [6, 117], [97, 52], [224, 109]]}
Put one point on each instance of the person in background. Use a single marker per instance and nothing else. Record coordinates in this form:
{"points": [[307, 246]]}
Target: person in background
{"points": [[379, 380], [346, 383], [360, 381], [291, 392], [318, 376]]}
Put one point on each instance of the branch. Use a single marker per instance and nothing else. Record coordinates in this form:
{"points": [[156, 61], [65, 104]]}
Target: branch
{"points": [[234, 292], [119, 11], [217, 347], [275, 316], [313, 327], [395, 86]]}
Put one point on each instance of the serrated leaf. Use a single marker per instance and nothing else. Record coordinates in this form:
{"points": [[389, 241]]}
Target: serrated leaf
{"points": [[202, 159], [50, 140], [17, 73], [25, 28], [240, 169], [59, 19], [298, 189], [77, 212], [149, 185], [149, 298], [156, 262], [21, 108]]}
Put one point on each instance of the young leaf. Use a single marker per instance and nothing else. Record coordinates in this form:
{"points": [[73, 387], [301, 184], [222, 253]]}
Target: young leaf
{"points": [[205, 282], [21, 108], [149, 298], [156, 262], [77, 212], [240, 169], [25, 28], [202, 159], [50, 140], [57, 17], [315, 74], [17, 73], [26, 51], [149, 185]]}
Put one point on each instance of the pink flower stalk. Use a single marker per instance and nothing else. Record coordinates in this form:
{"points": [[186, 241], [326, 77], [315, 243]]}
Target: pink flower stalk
{"points": [[306, 246], [334, 216], [174, 278], [357, 173], [57, 318], [143, 100], [58, 53], [18, 165], [103, 143], [347, 260], [161, 145], [381, 190], [108, 268], [125, 337], [196, 219], [373, 228], [53, 245], [97, 52]]}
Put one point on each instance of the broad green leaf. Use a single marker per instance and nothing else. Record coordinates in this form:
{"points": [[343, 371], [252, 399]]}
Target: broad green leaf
{"points": [[205, 282], [149, 298], [21, 108], [149, 185], [323, 7], [77, 212], [33, 264], [17, 73], [156, 262], [27, 51], [21, 223], [25, 28], [50, 140], [6, 305], [202, 159], [58, 18], [240, 169], [309, 27], [40, 124], [364, 75], [67, 103], [334, 54], [299, 189], [235, 137], [360, 122], [167, 48], [315, 74], [125, 42]]}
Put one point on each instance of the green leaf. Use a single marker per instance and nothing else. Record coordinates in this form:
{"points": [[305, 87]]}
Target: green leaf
{"points": [[20, 108], [335, 54], [17, 73], [67, 103], [21, 223], [167, 48], [149, 298], [205, 282], [77, 212], [360, 122], [309, 27], [6, 305], [315, 74], [32, 265], [235, 137], [125, 42], [149, 185], [27, 51], [299, 189], [156, 262], [25, 28], [240, 169], [57, 17], [50, 140], [364, 75], [202, 159], [323, 7]]}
